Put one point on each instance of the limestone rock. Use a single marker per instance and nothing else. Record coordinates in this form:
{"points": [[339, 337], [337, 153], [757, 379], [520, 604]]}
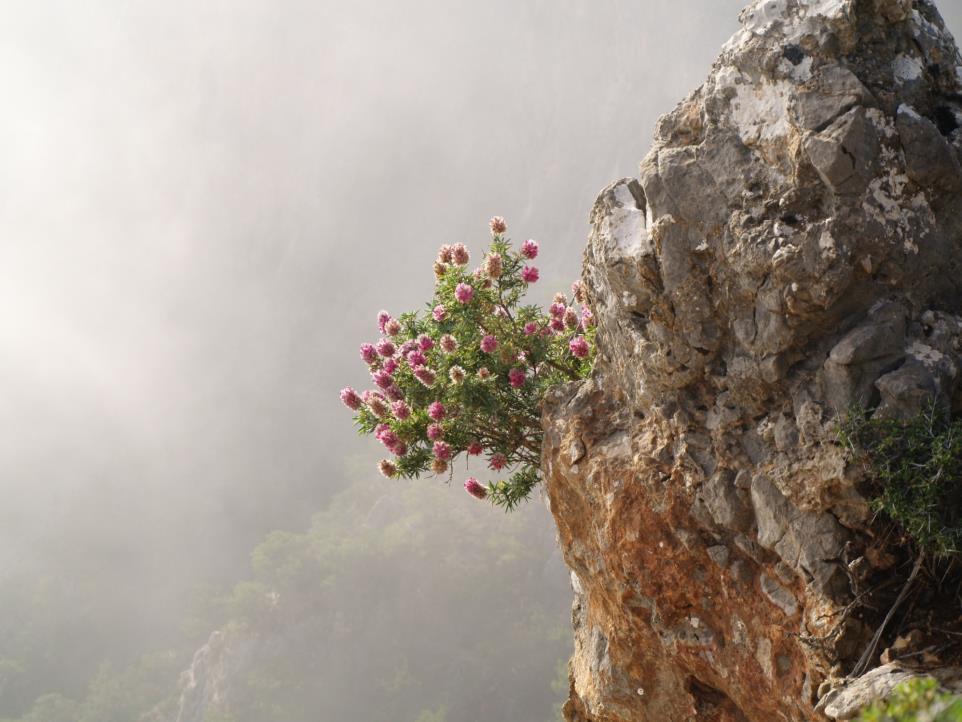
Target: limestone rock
{"points": [[790, 247]]}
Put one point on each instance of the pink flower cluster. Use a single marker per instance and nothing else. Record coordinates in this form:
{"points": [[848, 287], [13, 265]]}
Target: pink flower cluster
{"points": [[489, 344], [474, 488], [433, 358], [579, 346], [464, 293]]}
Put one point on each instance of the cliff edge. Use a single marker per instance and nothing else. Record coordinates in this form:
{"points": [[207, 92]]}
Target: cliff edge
{"points": [[790, 249]]}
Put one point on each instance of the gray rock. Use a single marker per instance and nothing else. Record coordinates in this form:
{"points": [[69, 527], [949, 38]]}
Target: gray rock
{"points": [[835, 90], [778, 595], [808, 541], [846, 153], [907, 391], [728, 505], [929, 159], [719, 554]]}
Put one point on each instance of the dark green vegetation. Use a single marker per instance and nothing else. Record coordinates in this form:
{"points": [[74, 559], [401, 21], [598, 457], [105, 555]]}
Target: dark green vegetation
{"points": [[402, 602], [916, 467], [915, 701]]}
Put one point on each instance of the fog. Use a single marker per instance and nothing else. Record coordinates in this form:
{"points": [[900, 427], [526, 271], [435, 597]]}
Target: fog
{"points": [[202, 208]]}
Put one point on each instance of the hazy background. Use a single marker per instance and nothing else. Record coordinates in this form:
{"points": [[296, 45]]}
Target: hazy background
{"points": [[204, 204]]}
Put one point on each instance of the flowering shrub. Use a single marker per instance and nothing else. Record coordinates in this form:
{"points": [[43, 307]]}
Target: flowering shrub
{"points": [[466, 377]]}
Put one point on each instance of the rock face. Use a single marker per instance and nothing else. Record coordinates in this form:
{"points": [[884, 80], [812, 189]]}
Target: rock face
{"points": [[205, 687], [791, 247]]}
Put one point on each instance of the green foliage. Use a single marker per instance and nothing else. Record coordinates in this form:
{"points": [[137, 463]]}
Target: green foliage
{"points": [[471, 371], [916, 465], [915, 701]]}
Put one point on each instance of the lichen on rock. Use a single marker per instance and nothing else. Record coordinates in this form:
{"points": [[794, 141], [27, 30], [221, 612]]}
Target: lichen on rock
{"points": [[790, 248]]}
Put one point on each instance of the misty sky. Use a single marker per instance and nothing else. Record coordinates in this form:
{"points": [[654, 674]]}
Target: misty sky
{"points": [[204, 204]]}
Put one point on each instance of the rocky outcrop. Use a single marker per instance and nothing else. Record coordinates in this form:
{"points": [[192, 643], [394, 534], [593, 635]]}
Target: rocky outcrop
{"points": [[791, 247]]}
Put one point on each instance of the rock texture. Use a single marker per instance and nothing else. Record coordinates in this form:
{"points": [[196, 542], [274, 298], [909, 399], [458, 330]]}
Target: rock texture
{"points": [[791, 247]]}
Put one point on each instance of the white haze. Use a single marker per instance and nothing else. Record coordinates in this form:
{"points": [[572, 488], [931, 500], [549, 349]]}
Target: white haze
{"points": [[204, 204]]}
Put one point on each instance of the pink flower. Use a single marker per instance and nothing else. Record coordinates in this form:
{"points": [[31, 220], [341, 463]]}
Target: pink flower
{"points": [[557, 325], [579, 346], [493, 265], [401, 449], [389, 439], [439, 466], [401, 410], [489, 343], [439, 313], [571, 318], [516, 377], [442, 450], [459, 254], [474, 488], [483, 373], [530, 328], [416, 358], [579, 291], [444, 254], [475, 448], [385, 348], [425, 342], [387, 468], [559, 297], [498, 462], [587, 317], [350, 398], [368, 353], [425, 375], [457, 375], [382, 318], [448, 343], [529, 274], [464, 293], [394, 393], [557, 310], [392, 327], [437, 411], [529, 249], [376, 403], [498, 226], [390, 365], [435, 432], [382, 378]]}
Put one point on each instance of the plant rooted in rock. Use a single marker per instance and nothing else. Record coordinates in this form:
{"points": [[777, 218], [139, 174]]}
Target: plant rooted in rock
{"points": [[917, 465], [467, 376]]}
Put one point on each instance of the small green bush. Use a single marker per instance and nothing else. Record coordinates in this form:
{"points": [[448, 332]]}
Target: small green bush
{"points": [[916, 701], [917, 466]]}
